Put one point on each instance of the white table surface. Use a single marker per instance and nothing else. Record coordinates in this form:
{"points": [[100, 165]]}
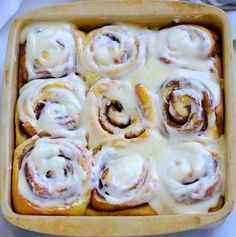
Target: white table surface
{"points": [[228, 229]]}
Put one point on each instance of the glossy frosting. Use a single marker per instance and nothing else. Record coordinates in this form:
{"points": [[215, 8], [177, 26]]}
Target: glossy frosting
{"points": [[50, 47], [61, 101], [111, 51], [60, 171], [111, 116], [123, 176], [180, 176]]}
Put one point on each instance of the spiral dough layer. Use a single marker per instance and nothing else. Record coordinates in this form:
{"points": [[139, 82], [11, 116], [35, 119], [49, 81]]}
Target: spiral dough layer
{"points": [[114, 118], [52, 107], [48, 50], [123, 179], [110, 51], [190, 174], [180, 45], [50, 175], [189, 107]]}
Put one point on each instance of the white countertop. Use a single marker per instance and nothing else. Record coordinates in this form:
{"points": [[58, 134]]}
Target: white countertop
{"points": [[6, 229]]}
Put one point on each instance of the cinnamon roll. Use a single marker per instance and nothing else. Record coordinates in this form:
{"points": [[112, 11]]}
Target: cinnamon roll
{"points": [[189, 46], [117, 112], [191, 178], [147, 103], [51, 176], [110, 51], [51, 107], [48, 50], [123, 179], [192, 106]]}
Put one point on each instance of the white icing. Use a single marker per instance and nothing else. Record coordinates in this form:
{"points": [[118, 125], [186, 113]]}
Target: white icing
{"points": [[49, 47], [63, 159], [130, 179], [184, 44], [111, 51], [100, 95], [125, 171], [184, 163], [62, 104], [157, 149], [161, 156], [166, 163]]}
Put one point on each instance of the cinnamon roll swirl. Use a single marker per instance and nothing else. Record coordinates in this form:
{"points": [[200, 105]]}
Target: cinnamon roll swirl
{"points": [[117, 112], [51, 107], [48, 50], [182, 44], [110, 51], [191, 178], [123, 179], [51, 176], [192, 106], [148, 103]]}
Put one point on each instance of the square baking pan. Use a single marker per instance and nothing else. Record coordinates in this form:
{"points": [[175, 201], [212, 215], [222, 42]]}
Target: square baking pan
{"points": [[88, 15]]}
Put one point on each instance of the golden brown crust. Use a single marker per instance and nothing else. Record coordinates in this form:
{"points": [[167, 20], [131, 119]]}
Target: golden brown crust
{"points": [[23, 74], [219, 205], [20, 134], [145, 100], [79, 37], [218, 65], [144, 210], [220, 115], [23, 206], [99, 203], [23, 131], [218, 128], [99, 206]]}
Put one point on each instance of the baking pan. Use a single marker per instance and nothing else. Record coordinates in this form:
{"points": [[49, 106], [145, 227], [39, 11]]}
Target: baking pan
{"points": [[89, 15]]}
